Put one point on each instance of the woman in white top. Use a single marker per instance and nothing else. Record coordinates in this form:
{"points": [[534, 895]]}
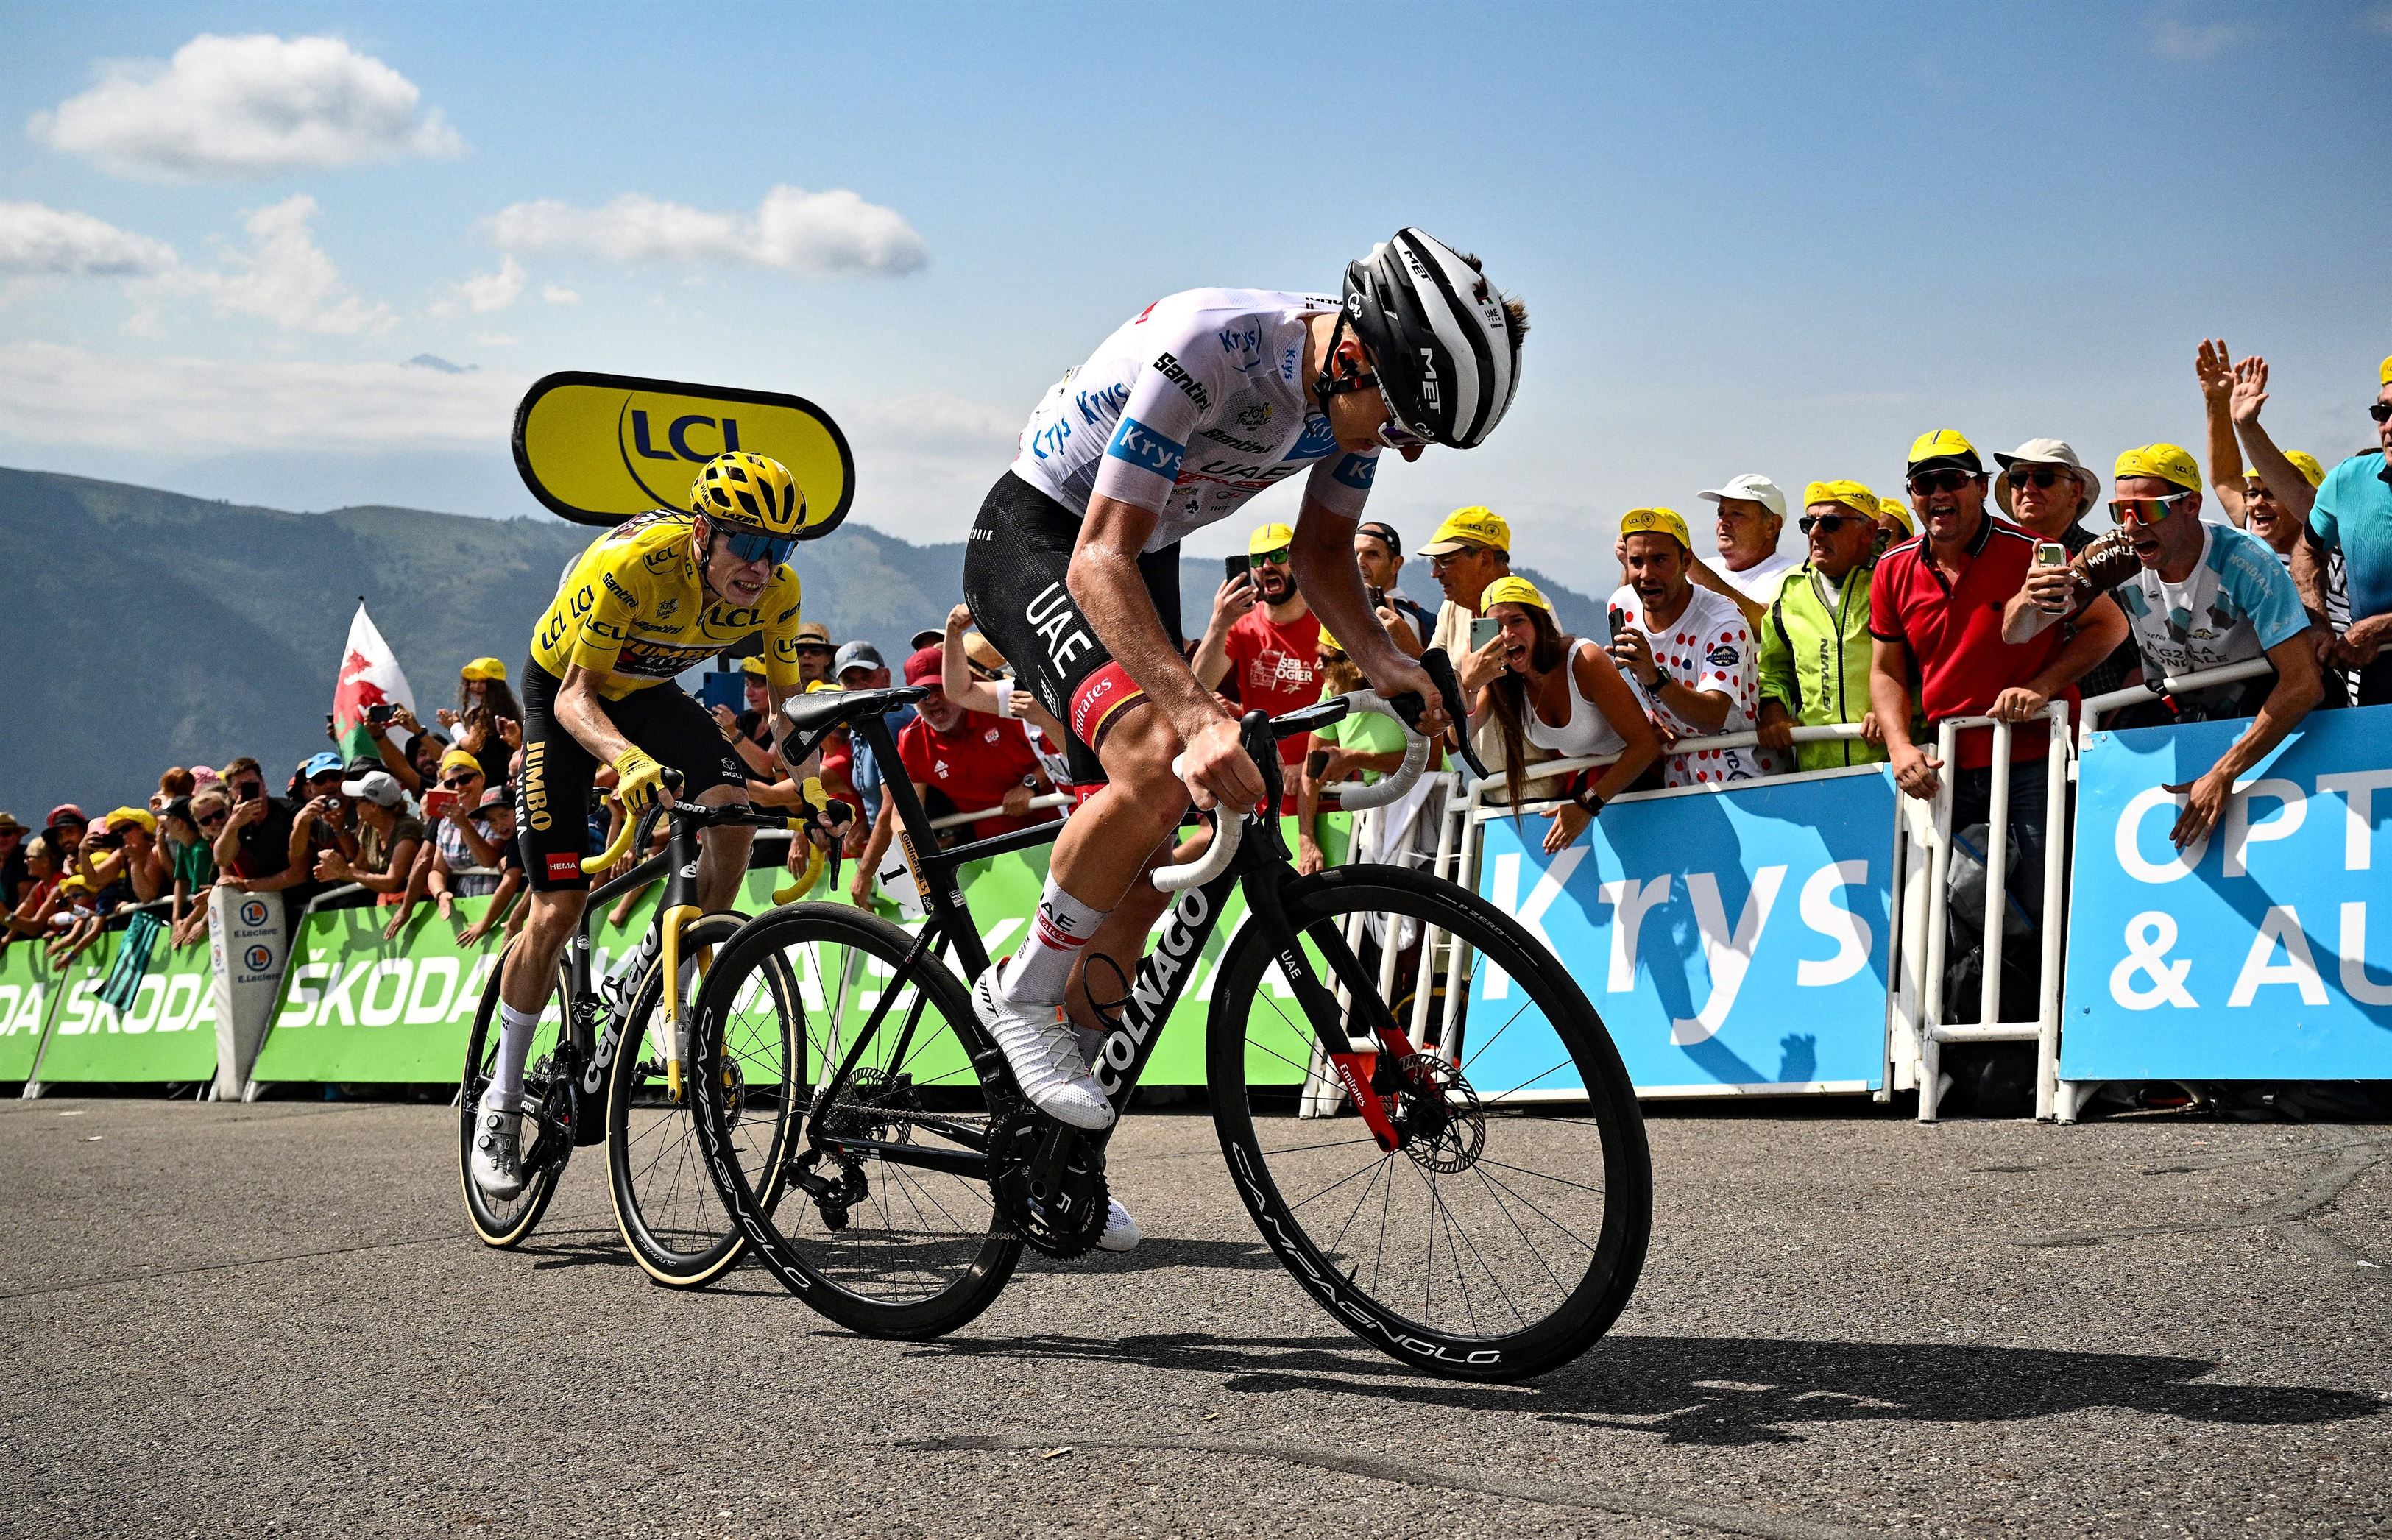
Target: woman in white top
{"points": [[1565, 695]]}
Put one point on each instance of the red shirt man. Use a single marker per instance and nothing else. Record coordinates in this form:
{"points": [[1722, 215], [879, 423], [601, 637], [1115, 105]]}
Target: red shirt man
{"points": [[1264, 643], [975, 759]]}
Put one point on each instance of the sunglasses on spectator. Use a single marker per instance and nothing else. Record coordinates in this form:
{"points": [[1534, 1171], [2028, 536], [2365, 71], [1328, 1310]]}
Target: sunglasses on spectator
{"points": [[2380, 410], [459, 783], [1269, 558], [804, 647], [209, 821], [1830, 521], [2044, 476], [2146, 510], [749, 545], [1929, 481]]}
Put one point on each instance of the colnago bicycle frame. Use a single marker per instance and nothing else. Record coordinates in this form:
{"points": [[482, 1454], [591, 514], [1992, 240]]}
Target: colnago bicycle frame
{"points": [[1261, 865]]}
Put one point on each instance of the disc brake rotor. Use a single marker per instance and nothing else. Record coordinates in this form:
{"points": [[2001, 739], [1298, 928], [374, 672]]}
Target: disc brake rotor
{"points": [[1443, 1126]]}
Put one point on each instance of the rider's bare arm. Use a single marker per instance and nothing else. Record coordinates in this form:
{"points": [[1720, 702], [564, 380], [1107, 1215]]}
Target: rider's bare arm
{"points": [[578, 708], [1106, 584], [1332, 585]]}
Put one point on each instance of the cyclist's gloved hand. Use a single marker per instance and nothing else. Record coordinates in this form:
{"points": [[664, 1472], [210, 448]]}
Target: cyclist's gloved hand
{"points": [[638, 779]]}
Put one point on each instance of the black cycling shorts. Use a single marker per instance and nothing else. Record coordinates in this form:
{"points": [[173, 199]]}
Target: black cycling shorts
{"points": [[553, 794], [1014, 571]]}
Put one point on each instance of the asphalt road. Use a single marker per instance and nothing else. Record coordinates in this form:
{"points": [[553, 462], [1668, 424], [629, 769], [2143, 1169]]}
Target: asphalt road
{"points": [[269, 1319]]}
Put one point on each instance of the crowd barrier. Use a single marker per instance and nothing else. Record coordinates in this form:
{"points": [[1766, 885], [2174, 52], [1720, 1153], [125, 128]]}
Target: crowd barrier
{"points": [[1784, 937]]}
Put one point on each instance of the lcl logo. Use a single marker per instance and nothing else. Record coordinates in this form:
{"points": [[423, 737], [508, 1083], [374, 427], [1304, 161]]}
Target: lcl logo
{"points": [[677, 436]]}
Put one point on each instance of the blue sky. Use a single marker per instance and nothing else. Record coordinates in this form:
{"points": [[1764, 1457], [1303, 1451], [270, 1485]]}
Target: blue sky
{"points": [[1782, 239]]}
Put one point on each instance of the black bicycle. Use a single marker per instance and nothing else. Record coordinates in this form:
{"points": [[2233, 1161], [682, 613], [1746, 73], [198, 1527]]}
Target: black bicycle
{"points": [[625, 1085], [1485, 1231]]}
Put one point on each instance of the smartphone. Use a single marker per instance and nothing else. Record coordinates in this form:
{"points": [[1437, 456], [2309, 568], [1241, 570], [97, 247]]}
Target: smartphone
{"points": [[1483, 631], [1618, 618], [1237, 568], [1378, 597], [437, 802], [2050, 553], [379, 715]]}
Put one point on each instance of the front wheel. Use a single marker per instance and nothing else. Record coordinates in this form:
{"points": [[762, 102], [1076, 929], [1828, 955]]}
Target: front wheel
{"points": [[1507, 1230]]}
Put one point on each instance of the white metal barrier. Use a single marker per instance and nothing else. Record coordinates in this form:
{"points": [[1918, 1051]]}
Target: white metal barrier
{"points": [[2097, 706]]}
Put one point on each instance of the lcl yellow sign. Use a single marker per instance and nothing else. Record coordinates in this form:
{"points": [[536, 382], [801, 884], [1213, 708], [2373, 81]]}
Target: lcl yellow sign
{"points": [[598, 448]]}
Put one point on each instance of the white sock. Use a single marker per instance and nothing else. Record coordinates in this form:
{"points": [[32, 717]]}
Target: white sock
{"points": [[515, 1029], [1039, 971]]}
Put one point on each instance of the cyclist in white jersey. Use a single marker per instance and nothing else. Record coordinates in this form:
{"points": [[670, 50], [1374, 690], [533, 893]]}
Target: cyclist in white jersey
{"points": [[1186, 411]]}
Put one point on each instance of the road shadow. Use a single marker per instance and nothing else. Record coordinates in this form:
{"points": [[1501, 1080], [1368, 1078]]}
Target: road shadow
{"points": [[1726, 1391], [1237, 1256]]}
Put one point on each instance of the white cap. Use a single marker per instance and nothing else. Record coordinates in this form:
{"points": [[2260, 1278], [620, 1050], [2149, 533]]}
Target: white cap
{"points": [[1760, 489], [378, 786]]}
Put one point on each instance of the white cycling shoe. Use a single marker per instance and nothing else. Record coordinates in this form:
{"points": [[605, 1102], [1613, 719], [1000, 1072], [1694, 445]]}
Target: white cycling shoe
{"points": [[1043, 1048], [1121, 1231], [496, 1165]]}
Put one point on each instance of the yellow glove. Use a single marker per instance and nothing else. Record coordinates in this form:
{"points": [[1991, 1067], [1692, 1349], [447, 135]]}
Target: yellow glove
{"points": [[638, 778]]}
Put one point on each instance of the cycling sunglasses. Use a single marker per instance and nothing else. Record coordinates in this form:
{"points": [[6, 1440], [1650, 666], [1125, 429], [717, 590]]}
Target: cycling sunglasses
{"points": [[2146, 511], [1392, 433], [1927, 482], [754, 545], [1830, 521], [1269, 557]]}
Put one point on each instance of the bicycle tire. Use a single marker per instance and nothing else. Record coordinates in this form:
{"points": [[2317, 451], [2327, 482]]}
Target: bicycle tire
{"points": [[1528, 1213], [858, 1275], [666, 1207], [507, 1224]]}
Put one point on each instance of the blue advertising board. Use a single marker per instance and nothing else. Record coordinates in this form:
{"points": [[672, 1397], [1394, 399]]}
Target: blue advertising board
{"points": [[1732, 938], [2248, 955]]}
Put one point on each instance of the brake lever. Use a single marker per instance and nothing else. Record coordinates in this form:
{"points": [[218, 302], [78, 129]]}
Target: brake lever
{"points": [[1440, 669]]}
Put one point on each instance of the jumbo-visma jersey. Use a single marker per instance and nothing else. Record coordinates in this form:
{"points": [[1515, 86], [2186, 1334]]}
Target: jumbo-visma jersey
{"points": [[633, 608]]}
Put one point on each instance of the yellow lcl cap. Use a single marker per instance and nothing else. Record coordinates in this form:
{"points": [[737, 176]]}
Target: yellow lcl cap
{"points": [[457, 759], [1652, 521], [2383, 375], [2166, 462], [752, 666], [484, 668], [1513, 590], [1470, 527], [1270, 537], [1851, 493], [1892, 508], [1327, 643], [1945, 444]]}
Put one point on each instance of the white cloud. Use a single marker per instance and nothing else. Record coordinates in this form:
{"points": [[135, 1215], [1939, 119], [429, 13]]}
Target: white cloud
{"points": [[809, 234], [2195, 42], [285, 277], [239, 107], [558, 294], [38, 239], [937, 422], [484, 292], [51, 395]]}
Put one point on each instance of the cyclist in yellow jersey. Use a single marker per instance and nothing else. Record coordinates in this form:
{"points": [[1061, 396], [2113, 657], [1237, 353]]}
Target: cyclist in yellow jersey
{"points": [[657, 595]]}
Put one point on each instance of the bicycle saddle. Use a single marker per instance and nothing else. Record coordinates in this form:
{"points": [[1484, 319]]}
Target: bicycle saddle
{"points": [[823, 709]]}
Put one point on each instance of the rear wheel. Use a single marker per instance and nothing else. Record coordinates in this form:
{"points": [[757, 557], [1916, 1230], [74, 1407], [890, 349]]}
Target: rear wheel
{"points": [[546, 1137], [1506, 1231], [886, 1225], [665, 1205]]}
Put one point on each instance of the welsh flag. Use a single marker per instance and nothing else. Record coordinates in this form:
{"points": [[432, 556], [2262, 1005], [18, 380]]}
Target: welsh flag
{"points": [[369, 676]]}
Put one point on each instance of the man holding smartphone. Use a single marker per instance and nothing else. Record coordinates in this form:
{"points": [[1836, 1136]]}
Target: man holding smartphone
{"points": [[1270, 645]]}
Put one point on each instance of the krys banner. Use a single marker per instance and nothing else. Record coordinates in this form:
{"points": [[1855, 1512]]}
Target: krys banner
{"points": [[1729, 938], [2247, 956], [598, 448]]}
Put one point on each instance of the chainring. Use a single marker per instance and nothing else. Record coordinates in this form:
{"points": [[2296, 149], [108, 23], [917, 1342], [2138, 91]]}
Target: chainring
{"points": [[1064, 1224], [1437, 1114]]}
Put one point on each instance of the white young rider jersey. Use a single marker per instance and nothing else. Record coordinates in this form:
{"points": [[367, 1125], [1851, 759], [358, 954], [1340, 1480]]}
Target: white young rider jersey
{"points": [[1189, 409]]}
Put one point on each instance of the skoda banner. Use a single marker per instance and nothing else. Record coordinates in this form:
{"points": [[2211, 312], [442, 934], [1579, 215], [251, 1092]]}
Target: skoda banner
{"points": [[598, 448], [2261, 952], [1730, 938], [29, 988], [168, 1034]]}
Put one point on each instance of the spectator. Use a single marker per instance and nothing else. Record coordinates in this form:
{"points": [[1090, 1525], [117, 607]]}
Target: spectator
{"points": [[2350, 514], [38, 897], [1690, 649], [2047, 491], [1550, 675], [1379, 552], [253, 851], [1752, 519], [417, 766], [860, 667], [482, 683], [386, 843], [1264, 639], [324, 822], [2205, 595], [458, 843], [74, 921], [750, 730], [1469, 550], [973, 760], [1894, 524], [64, 829], [1935, 614], [172, 784], [1814, 646], [1363, 747], [116, 859], [812, 643], [14, 876], [496, 817], [976, 675], [190, 826]]}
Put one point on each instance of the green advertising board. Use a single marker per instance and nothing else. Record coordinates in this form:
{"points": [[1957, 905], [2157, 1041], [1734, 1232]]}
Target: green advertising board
{"points": [[29, 989], [168, 1034], [357, 1007]]}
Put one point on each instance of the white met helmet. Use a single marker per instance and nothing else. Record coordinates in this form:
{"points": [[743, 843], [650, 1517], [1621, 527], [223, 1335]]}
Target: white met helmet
{"points": [[1444, 345]]}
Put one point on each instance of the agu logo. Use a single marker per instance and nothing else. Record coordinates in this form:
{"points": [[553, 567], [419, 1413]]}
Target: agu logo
{"points": [[258, 958], [252, 913]]}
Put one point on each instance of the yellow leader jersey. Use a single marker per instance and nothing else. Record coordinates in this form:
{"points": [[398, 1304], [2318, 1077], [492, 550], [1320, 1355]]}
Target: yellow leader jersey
{"points": [[633, 608]]}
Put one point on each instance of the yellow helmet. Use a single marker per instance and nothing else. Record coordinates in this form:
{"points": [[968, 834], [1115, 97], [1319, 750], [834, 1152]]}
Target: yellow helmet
{"points": [[753, 491]]}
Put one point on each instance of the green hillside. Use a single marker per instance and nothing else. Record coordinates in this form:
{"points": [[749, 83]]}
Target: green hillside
{"points": [[156, 629]]}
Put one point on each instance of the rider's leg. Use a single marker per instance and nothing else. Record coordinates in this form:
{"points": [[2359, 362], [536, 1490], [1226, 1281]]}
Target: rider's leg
{"points": [[526, 979], [1112, 956], [723, 853], [1104, 849]]}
